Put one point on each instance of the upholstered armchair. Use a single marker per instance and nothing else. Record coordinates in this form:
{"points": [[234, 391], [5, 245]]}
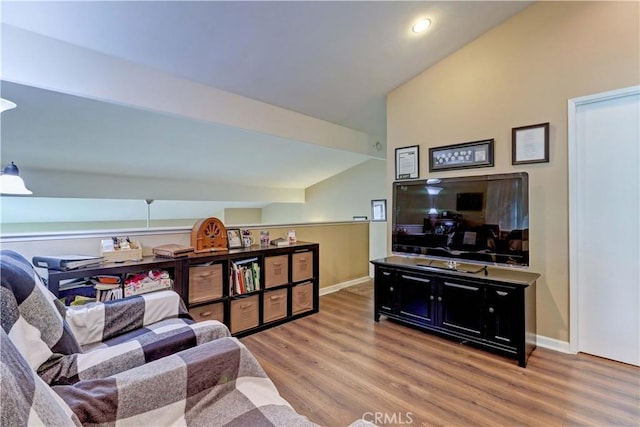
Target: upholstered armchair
{"points": [[67, 344]]}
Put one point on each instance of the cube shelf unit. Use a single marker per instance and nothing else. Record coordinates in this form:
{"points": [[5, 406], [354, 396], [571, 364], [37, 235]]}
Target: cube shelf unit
{"points": [[289, 284], [288, 287]]}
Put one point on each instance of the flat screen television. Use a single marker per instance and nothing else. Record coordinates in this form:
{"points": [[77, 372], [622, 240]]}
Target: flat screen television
{"points": [[475, 219]]}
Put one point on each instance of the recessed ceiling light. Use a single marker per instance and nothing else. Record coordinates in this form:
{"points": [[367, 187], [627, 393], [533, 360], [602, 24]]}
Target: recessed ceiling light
{"points": [[421, 26]]}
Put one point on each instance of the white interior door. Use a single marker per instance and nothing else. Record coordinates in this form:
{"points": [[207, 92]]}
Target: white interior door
{"points": [[605, 226]]}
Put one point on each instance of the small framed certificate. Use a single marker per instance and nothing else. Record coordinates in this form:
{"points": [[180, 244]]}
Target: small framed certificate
{"points": [[407, 162], [379, 210], [530, 144]]}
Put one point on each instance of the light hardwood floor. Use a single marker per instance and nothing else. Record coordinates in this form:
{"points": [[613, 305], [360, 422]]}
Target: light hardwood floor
{"points": [[339, 365]]}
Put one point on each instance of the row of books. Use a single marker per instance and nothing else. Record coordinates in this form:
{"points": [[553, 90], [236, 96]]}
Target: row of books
{"points": [[107, 293], [244, 276]]}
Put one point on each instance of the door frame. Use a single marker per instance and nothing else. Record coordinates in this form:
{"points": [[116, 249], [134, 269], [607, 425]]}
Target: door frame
{"points": [[572, 131]]}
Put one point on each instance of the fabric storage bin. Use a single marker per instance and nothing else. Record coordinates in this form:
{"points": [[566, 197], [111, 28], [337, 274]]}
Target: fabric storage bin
{"points": [[302, 266], [205, 283], [244, 313], [213, 311], [302, 298], [276, 271], [274, 305]]}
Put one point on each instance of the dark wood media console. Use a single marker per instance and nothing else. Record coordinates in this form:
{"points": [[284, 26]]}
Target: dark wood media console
{"points": [[494, 309]]}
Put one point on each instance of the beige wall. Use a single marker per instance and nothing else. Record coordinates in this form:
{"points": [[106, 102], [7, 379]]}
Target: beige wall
{"points": [[522, 73], [344, 248]]}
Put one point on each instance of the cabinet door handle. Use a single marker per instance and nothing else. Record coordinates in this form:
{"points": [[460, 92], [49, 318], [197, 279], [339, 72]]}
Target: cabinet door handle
{"points": [[502, 293], [431, 297], [391, 289], [275, 297], [386, 273], [457, 285], [205, 314], [245, 306], [417, 279], [439, 299], [491, 310]]}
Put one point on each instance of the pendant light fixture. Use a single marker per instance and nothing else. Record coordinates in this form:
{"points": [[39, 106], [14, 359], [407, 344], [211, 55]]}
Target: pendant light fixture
{"points": [[11, 183], [5, 104]]}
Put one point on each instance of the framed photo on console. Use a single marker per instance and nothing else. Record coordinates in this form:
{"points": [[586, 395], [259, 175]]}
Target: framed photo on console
{"points": [[234, 238], [476, 154], [530, 144]]}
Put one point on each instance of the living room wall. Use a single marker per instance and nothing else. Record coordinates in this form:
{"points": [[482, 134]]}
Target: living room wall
{"points": [[522, 73]]}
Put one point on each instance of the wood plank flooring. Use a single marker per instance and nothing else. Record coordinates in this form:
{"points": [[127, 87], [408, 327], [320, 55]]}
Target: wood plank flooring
{"points": [[339, 365]]}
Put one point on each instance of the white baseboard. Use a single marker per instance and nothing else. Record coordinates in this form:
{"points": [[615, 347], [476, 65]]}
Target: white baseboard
{"points": [[553, 344], [335, 288]]}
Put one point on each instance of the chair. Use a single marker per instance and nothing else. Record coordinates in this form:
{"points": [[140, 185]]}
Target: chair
{"points": [[68, 344]]}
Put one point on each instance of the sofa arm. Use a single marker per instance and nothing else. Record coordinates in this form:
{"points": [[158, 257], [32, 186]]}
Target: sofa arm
{"points": [[129, 351], [99, 321]]}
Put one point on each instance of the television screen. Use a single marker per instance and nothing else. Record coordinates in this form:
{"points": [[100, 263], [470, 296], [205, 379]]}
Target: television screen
{"points": [[478, 219]]}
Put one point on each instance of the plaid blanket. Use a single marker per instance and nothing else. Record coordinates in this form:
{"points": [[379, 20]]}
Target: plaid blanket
{"points": [[98, 322], [219, 383], [68, 345], [26, 399]]}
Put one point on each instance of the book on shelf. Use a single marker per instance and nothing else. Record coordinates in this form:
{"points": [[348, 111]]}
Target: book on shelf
{"points": [[107, 292], [66, 262], [65, 285], [172, 250], [106, 279], [245, 276], [280, 242]]}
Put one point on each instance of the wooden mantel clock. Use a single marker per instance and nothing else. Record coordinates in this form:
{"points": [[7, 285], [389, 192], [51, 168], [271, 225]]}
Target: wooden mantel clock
{"points": [[209, 234]]}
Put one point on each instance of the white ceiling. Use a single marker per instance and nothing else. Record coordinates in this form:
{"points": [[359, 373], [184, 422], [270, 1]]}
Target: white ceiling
{"points": [[332, 60]]}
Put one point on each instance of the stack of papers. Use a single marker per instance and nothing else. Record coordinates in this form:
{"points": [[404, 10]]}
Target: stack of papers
{"points": [[66, 262]]}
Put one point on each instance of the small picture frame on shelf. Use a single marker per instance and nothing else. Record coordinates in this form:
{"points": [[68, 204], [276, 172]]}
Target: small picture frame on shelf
{"points": [[234, 238], [530, 144], [379, 210]]}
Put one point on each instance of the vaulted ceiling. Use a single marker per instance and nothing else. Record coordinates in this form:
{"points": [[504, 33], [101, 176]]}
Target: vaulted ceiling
{"points": [[329, 62]]}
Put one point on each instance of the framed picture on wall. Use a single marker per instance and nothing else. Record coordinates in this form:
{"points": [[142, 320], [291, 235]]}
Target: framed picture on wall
{"points": [[407, 162], [476, 154], [530, 144], [379, 210]]}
